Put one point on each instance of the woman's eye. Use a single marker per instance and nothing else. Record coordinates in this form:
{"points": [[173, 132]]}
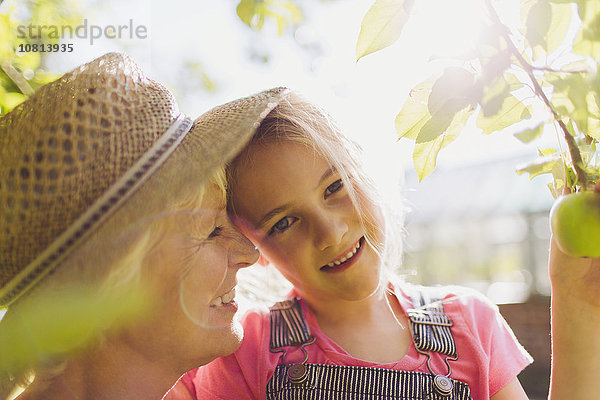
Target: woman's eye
{"points": [[334, 187], [282, 225], [215, 232]]}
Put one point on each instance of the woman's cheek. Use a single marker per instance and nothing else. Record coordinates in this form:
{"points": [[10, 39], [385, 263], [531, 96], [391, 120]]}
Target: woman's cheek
{"points": [[208, 271], [216, 262]]}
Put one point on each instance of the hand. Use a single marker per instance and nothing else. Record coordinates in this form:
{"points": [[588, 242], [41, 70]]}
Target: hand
{"points": [[575, 278]]}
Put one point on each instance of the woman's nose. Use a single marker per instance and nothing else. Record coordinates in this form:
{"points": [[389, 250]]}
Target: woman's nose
{"points": [[242, 252], [329, 230]]}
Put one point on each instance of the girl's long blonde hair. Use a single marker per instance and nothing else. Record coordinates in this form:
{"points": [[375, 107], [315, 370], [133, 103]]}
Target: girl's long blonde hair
{"points": [[296, 119]]}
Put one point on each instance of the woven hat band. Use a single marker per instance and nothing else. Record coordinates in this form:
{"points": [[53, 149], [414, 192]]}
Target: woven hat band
{"points": [[101, 209]]}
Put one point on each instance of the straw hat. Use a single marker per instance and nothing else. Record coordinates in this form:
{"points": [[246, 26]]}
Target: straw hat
{"points": [[81, 146]]}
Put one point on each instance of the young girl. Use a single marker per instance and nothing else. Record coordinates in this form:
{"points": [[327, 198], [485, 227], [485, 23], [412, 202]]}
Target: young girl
{"points": [[349, 329]]}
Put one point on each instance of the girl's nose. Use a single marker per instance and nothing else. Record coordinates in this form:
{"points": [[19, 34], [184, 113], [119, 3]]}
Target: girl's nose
{"points": [[329, 230]]}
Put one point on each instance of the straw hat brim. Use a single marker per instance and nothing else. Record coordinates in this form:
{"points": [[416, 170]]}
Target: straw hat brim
{"points": [[214, 139], [220, 134]]}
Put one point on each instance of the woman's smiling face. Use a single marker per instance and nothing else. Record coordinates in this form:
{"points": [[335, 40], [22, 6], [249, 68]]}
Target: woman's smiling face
{"points": [[294, 205], [192, 270]]}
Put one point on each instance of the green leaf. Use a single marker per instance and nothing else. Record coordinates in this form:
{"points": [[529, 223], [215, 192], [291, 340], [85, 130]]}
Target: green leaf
{"points": [[414, 113], [425, 153], [493, 66], [513, 82], [512, 111], [494, 96], [58, 323], [294, 12], [9, 100], [559, 26], [559, 177], [587, 42], [434, 127], [538, 23], [254, 12], [453, 90], [529, 135], [541, 165], [572, 98], [577, 92], [382, 25], [425, 156], [284, 12], [561, 102], [593, 129], [544, 152], [586, 47]]}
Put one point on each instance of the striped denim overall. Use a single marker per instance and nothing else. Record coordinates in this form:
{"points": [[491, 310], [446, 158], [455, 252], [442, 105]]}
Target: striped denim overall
{"points": [[431, 333]]}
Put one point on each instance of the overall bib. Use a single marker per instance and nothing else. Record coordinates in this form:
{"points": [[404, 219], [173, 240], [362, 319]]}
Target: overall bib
{"points": [[431, 333]]}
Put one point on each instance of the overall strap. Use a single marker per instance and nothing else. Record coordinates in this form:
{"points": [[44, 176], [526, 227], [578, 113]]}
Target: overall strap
{"points": [[430, 325], [431, 331], [288, 324]]}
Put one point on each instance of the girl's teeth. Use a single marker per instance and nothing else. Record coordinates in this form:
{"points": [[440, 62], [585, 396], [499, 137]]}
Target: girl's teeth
{"points": [[349, 255]]}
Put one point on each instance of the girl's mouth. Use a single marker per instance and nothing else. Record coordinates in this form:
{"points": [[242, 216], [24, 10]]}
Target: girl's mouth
{"points": [[346, 260]]}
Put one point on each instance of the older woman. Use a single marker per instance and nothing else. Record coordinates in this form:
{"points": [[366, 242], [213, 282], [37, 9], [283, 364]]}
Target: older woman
{"points": [[117, 263]]}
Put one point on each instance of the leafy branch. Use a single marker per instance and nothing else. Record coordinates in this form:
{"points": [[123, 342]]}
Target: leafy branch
{"points": [[23, 73], [491, 82], [573, 148]]}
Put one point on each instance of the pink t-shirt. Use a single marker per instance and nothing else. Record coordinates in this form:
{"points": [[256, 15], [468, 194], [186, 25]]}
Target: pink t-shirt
{"points": [[489, 355]]}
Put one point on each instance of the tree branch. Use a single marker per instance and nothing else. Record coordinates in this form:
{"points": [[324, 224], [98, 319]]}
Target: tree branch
{"points": [[573, 148], [16, 77]]}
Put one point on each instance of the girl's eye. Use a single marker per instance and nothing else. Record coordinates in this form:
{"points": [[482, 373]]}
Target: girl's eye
{"points": [[282, 225], [334, 187], [216, 232]]}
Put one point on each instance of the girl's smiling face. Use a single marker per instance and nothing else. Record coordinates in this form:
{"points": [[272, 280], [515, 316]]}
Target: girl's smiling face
{"points": [[294, 205]]}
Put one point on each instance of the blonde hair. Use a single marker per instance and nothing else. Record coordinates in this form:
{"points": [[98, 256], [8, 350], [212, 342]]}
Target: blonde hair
{"points": [[116, 262], [295, 119]]}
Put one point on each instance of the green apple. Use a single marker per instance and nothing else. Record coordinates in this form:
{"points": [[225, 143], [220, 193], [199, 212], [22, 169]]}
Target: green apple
{"points": [[575, 224]]}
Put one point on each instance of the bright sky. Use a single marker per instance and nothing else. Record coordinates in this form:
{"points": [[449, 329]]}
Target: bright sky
{"points": [[365, 96]]}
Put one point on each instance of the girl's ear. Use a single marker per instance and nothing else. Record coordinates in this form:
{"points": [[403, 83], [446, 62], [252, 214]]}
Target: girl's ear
{"points": [[262, 260]]}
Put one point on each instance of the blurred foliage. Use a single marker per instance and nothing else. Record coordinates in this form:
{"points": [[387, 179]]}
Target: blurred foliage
{"points": [[499, 82], [61, 322], [254, 13], [21, 73]]}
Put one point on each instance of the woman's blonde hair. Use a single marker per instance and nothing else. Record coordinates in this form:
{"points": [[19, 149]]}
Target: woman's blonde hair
{"points": [[295, 119], [117, 263]]}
